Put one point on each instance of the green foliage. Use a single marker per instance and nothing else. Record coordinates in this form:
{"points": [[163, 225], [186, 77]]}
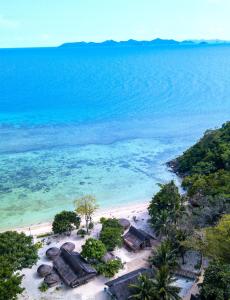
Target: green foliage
{"points": [[208, 163], [165, 255], [216, 284], [111, 234], [163, 285], [212, 184], [9, 281], [166, 208], [143, 290], [158, 288], [86, 206], [205, 168], [65, 221], [102, 220], [18, 249], [43, 287], [208, 210], [210, 154], [82, 232], [93, 249], [218, 240], [110, 268], [91, 225]]}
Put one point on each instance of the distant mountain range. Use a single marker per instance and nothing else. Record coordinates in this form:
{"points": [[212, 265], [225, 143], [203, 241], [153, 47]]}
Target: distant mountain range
{"points": [[155, 42]]}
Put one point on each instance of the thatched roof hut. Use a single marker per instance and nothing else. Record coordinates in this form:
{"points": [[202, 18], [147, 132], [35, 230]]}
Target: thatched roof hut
{"points": [[53, 252], [124, 223], [119, 288], [68, 246], [137, 239], [44, 270], [52, 279], [73, 269]]}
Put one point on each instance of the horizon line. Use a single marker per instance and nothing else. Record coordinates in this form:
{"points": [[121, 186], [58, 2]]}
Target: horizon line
{"points": [[182, 41]]}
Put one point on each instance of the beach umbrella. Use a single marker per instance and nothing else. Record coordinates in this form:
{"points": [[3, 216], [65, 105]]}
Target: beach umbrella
{"points": [[44, 270], [68, 246], [53, 252]]}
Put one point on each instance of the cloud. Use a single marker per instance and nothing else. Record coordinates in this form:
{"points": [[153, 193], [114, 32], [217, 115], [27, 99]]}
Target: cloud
{"points": [[218, 1], [6, 23]]}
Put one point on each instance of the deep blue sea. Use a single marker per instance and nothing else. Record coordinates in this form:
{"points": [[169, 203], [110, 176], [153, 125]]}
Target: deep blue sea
{"points": [[101, 121]]}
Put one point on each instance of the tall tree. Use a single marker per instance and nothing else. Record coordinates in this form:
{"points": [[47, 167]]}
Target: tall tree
{"points": [[165, 255], [163, 285], [86, 206], [93, 249], [217, 240], [143, 290], [66, 221], [159, 288], [18, 249], [216, 284], [9, 281], [165, 208]]}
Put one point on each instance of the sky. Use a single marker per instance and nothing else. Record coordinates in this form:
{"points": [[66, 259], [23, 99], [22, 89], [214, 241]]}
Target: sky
{"points": [[35, 23]]}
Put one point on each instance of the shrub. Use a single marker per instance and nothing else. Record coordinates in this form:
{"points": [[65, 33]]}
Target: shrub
{"points": [[9, 281], [93, 249], [43, 287], [110, 268], [102, 220], [65, 221], [111, 234], [82, 232], [18, 249], [216, 284], [91, 225]]}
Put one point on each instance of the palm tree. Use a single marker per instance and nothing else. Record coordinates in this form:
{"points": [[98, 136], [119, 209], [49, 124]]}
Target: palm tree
{"points": [[143, 290], [162, 223], [165, 255], [159, 288], [163, 285]]}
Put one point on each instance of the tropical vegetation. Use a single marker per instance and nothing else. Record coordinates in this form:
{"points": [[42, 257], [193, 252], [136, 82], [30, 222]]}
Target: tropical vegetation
{"points": [[17, 251], [65, 221], [111, 233], [161, 287], [93, 249], [86, 207]]}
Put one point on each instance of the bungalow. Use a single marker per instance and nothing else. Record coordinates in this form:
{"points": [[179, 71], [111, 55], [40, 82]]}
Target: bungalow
{"points": [[73, 268], [137, 239], [119, 288]]}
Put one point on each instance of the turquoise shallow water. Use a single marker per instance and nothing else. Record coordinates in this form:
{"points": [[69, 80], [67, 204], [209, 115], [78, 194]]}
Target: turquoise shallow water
{"points": [[101, 121], [46, 181]]}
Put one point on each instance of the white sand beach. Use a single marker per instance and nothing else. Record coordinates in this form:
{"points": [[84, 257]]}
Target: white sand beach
{"points": [[94, 290], [126, 211]]}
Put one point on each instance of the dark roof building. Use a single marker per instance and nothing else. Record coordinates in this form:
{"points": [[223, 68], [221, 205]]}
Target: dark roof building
{"points": [[52, 279], [137, 239], [124, 223], [119, 288], [73, 268], [44, 270]]}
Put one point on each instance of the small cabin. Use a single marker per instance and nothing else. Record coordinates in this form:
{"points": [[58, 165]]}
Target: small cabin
{"points": [[119, 288], [137, 239], [73, 268]]}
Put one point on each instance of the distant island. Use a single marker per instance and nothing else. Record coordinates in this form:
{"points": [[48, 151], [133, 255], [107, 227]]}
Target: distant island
{"points": [[155, 42]]}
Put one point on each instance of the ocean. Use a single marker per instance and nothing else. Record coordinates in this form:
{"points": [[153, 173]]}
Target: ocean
{"points": [[101, 121]]}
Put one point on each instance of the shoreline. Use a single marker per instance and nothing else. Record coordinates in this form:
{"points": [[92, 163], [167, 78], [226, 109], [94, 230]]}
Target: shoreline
{"points": [[124, 211]]}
